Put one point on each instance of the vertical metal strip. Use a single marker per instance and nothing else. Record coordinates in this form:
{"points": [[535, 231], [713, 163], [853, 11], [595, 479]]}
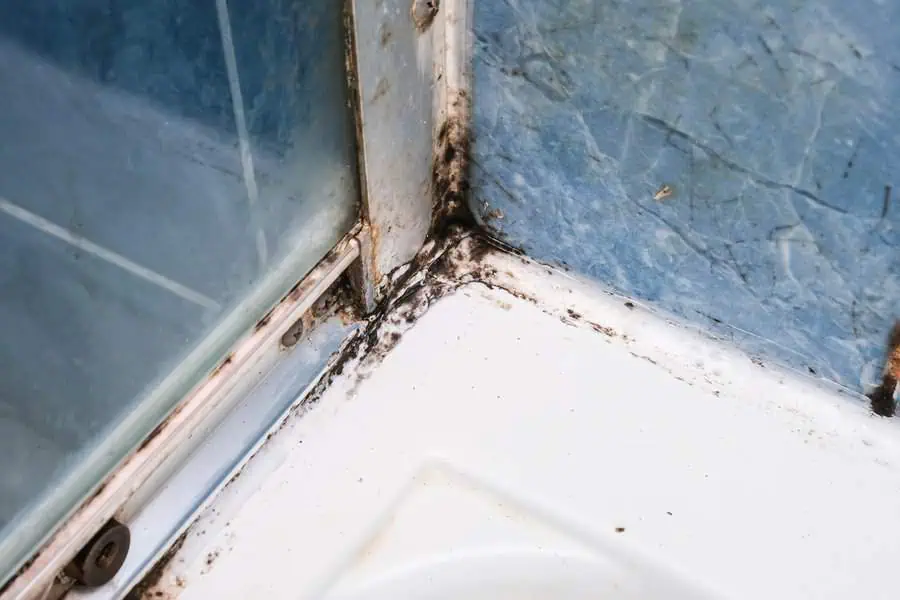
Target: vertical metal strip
{"points": [[394, 80]]}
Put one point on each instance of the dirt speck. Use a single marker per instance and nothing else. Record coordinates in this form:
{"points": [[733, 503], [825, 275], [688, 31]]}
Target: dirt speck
{"points": [[607, 331], [381, 89], [385, 36], [211, 557]]}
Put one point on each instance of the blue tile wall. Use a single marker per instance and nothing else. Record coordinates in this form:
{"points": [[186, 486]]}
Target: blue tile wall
{"points": [[772, 123]]}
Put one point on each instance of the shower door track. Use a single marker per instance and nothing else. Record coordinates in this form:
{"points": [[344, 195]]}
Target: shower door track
{"points": [[132, 484]]}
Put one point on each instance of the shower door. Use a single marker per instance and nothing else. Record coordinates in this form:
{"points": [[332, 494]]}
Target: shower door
{"points": [[167, 171]]}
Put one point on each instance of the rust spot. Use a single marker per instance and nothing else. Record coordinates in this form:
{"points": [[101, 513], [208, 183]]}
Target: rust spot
{"points": [[98, 491], [19, 572], [620, 529], [375, 234], [228, 360], [892, 367], [158, 429], [264, 321], [300, 289]]}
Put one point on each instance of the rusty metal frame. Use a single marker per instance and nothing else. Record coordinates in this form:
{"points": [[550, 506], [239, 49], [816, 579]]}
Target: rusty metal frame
{"points": [[138, 475], [393, 72]]}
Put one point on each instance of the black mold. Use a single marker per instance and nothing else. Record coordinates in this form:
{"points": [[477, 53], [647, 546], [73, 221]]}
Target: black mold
{"points": [[450, 178], [152, 579], [882, 397]]}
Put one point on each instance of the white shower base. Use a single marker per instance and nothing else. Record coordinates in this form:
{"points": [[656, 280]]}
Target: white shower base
{"points": [[567, 446]]}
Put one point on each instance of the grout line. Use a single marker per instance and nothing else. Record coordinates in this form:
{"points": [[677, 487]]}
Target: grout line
{"points": [[237, 101], [61, 233]]}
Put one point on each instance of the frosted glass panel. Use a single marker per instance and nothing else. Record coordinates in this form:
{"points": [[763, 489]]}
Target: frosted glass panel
{"points": [[159, 161]]}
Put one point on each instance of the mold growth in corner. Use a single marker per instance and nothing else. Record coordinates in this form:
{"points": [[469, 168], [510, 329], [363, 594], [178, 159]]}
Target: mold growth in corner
{"points": [[450, 256], [451, 208], [450, 173], [452, 253]]}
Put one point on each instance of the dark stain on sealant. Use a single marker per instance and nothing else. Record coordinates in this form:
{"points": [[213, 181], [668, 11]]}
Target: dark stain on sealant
{"points": [[145, 588], [228, 360], [25, 566], [264, 321], [159, 428], [882, 397]]}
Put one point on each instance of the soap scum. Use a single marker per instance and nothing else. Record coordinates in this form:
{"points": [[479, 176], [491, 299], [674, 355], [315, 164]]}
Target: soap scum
{"points": [[882, 397]]}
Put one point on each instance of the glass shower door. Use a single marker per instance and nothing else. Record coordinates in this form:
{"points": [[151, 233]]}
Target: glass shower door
{"points": [[167, 171]]}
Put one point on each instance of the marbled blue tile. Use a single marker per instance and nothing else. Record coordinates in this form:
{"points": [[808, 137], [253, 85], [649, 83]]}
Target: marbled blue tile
{"points": [[774, 126]]}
